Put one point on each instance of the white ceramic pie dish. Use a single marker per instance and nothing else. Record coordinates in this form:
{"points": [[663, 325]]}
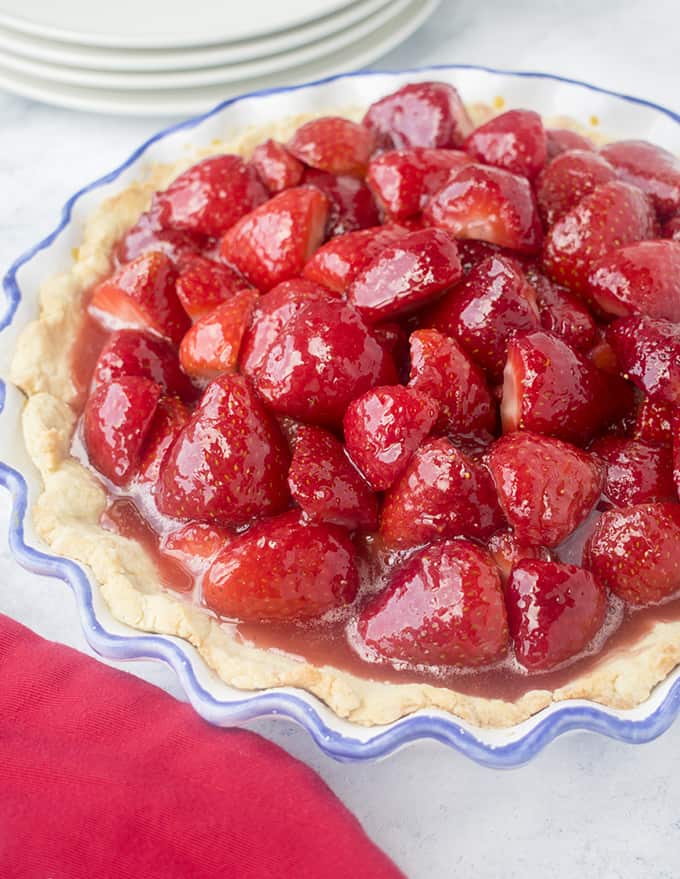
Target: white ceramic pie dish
{"points": [[619, 116]]}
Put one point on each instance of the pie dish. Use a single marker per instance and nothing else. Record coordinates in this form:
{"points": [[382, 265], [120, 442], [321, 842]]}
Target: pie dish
{"points": [[363, 702]]}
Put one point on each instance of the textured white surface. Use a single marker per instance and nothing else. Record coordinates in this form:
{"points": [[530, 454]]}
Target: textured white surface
{"points": [[587, 807]]}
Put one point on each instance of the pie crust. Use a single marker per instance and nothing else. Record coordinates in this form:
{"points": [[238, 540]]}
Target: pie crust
{"points": [[67, 513]]}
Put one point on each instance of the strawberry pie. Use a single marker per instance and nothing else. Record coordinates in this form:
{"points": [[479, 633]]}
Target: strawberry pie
{"points": [[384, 405]]}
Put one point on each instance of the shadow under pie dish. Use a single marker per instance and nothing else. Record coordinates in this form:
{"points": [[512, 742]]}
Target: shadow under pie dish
{"points": [[262, 655]]}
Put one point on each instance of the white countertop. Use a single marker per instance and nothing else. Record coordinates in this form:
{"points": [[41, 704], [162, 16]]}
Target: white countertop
{"points": [[587, 806]]}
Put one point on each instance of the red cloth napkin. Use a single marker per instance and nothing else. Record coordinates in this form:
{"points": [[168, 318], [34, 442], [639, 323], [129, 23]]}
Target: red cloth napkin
{"points": [[103, 775]]}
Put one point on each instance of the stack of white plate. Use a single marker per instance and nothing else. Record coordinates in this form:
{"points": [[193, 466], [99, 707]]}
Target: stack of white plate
{"points": [[170, 57]]}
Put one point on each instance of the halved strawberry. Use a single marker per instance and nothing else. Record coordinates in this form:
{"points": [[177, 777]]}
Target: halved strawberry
{"points": [[635, 472], [326, 485], [351, 202], [546, 487], [229, 463], [507, 551], [567, 179], [336, 263], [649, 167], [211, 196], [488, 204], [515, 141], [654, 422], [562, 312], [148, 234], [421, 114], [203, 284], [170, 417], [405, 275], [142, 294], [116, 420], [551, 389], [493, 302], [277, 168], [384, 427], [333, 144], [554, 612], [559, 140], [441, 493], [648, 352], [442, 370], [612, 215], [272, 243], [283, 569], [642, 278], [195, 545], [635, 551], [213, 343]]}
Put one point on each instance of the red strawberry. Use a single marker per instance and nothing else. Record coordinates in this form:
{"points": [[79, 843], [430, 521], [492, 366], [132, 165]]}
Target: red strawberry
{"points": [[507, 551], [326, 484], [546, 487], [559, 140], [272, 243], [333, 144], [654, 422], [554, 612], [649, 167], [405, 275], [643, 278], [612, 215], [483, 312], [116, 420], [635, 472], [548, 388], [204, 284], [421, 114], [403, 180], [142, 294], [473, 252], [635, 551], [442, 493], [488, 204], [277, 168], [132, 352], [514, 141], [442, 370], [211, 196], [648, 352], [213, 343], [671, 229], [326, 358], [567, 179], [283, 569], [384, 427], [444, 606], [148, 234], [229, 463], [336, 263], [563, 313], [169, 419], [351, 202], [602, 355], [195, 545], [676, 452]]}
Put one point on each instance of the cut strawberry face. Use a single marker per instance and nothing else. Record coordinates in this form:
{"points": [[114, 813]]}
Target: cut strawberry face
{"points": [[635, 472], [195, 545], [405, 275], [648, 352], [229, 463], [494, 302], [441, 493], [642, 278], [277, 168], [422, 114], [654, 422], [384, 427], [546, 487], [283, 569], [211, 196], [204, 284], [635, 552], [649, 167], [567, 179], [326, 359], [141, 294], [507, 551], [170, 417], [444, 606], [333, 144], [116, 420], [488, 204], [148, 234], [554, 612], [562, 312], [613, 215], [514, 141], [339, 261], [326, 484], [272, 243], [559, 140], [442, 370], [351, 202], [548, 388]]}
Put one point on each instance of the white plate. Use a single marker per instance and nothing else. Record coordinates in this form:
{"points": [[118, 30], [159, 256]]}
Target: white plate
{"points": [[157, 24], [179, 79], [184, 101], [106, 58]]}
